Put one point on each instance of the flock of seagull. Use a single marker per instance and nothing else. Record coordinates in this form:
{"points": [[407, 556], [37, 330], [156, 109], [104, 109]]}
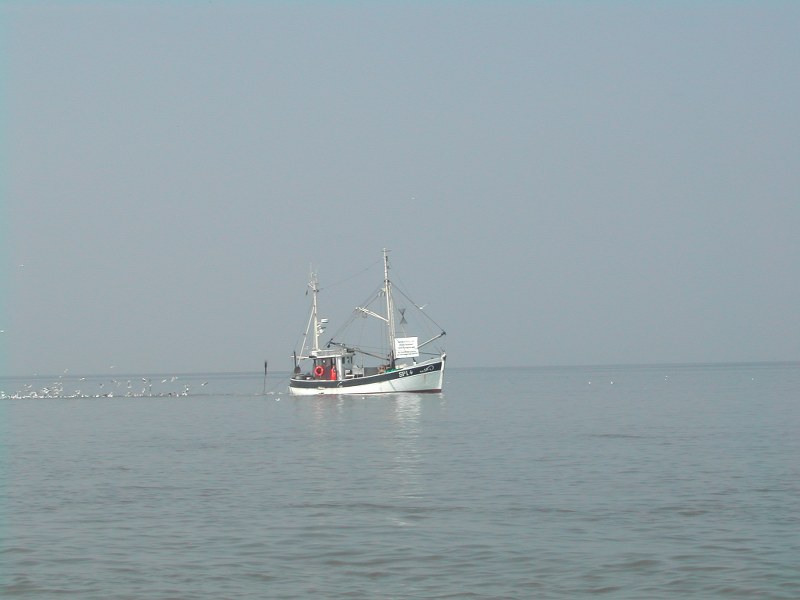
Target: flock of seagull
{"points": [[117, 388]]}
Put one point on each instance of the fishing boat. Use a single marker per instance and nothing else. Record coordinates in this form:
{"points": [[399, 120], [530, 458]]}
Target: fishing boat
{"points": [[400, 363]]}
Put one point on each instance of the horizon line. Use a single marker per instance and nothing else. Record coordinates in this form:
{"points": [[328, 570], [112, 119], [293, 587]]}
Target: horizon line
{"points": [[457, 368]]}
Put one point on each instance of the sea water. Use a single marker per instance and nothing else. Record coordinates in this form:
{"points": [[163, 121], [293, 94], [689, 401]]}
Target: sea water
{"points": [[628, 482]]}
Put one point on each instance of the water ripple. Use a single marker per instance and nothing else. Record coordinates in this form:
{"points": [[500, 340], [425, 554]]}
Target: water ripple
{"points": [[628, 491]]}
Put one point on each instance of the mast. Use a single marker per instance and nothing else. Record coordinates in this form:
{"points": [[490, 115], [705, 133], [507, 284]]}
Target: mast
{"points": [[314, 285], [387, 288]]}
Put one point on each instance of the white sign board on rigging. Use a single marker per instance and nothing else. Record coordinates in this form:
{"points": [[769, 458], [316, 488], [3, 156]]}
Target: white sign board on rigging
{"points": [[406, 347]]}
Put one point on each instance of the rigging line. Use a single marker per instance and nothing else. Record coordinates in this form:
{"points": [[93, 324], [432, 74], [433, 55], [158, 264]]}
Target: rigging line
{"points": [[426, 315], [351, 276], [370, 299], [407, 297], [283, 381]]}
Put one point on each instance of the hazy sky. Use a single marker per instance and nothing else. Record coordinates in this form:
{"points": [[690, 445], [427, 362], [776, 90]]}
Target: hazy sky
{"points": [[561, 183]]}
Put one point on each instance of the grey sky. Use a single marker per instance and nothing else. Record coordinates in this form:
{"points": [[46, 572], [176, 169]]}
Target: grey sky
{"points": [[561, 183]]}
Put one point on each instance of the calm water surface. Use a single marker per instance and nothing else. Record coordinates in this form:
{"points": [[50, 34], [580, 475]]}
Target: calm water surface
{"points": [[627, 482]]}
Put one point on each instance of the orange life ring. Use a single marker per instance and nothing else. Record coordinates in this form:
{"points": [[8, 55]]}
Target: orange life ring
{"points": [[318, 370]]}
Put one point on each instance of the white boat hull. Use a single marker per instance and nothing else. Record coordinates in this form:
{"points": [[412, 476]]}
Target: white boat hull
{"points": [[418, 378]]}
